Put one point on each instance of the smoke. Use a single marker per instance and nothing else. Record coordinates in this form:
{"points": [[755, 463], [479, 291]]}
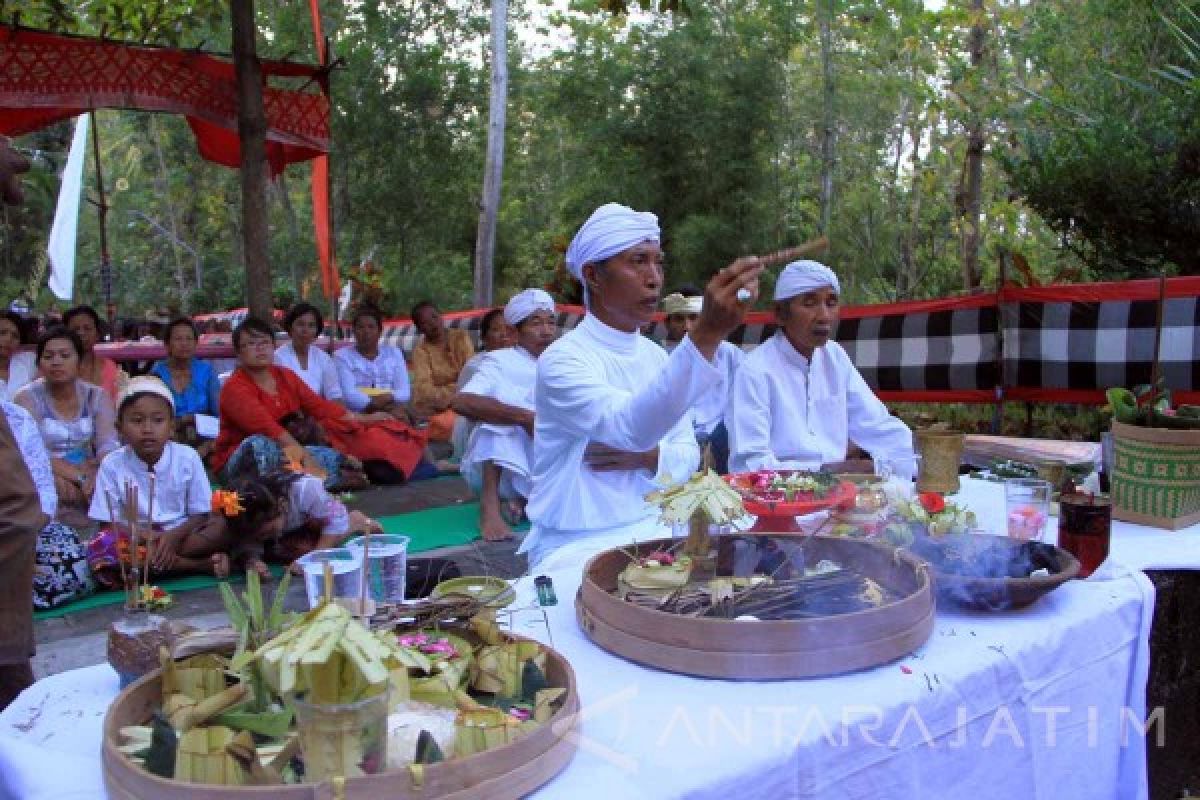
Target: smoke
{"points": [[989, 573]]}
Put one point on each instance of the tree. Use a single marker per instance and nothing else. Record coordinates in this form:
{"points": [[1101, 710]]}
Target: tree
{"points": [[252, 136], [489, 205]]}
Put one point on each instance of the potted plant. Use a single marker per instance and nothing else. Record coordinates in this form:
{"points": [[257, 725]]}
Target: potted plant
{"points": [[1156, 458]]}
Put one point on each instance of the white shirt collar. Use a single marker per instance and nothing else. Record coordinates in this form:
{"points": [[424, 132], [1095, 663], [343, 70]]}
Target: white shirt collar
{"points": [[607, 336], [791, 355]]}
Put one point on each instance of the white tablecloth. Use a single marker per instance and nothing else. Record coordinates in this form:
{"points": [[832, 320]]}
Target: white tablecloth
{"points": [[1037, 703]]}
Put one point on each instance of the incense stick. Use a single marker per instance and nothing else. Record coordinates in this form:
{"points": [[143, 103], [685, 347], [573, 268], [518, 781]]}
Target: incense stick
{"points": [[116, 522], [366, 572], [792, 253], [131, 517], [328, 571], [150, 523]]}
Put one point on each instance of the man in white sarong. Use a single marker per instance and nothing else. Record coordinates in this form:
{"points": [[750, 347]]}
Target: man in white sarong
{"points": [[797, 400], [498, 459], [613, 417], [683, 308]]}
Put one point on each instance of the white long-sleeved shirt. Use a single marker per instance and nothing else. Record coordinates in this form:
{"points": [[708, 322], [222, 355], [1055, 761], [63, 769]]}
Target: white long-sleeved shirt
{"points": [[321, 374], [786, 412], [598, 384], [508, 375], [22, 369], [710, 408], [387, 370]]}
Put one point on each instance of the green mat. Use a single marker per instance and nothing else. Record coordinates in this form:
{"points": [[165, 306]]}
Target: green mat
{"points": [[445, 526], [107, 598]]}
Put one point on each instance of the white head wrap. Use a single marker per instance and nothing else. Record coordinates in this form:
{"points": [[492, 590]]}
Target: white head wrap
{"points": [[676, 303], [612, 228], [799, 277], [524, 304], [145, 384]]}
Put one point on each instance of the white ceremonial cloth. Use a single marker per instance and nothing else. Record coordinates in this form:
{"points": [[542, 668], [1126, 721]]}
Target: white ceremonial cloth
{"points": [[181, 487], [800, 277], [710, 408], [22, 369], [525, 303], [995, 706], [508, 375], [388, 370], [788, 413], [320, 375], [598, 384]]}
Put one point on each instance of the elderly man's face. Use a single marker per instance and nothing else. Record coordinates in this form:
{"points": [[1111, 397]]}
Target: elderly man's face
{"points": [[625, 289], [808, 319], [536, 332]]}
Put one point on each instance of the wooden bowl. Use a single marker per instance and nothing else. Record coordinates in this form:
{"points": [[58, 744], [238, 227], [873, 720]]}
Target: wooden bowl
{"points": [[503, 773], [991, 573], [765, 649]]}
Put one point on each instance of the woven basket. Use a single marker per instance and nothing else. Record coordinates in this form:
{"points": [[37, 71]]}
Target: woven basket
{"points": [[1156, 476], [941, 454]]}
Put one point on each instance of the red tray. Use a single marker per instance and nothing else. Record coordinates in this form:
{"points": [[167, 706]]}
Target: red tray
{"points": [[780, 515]]}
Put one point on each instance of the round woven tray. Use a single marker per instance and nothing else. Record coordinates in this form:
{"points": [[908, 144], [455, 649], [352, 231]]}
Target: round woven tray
{"points": [[503, 773], [765, 649]]}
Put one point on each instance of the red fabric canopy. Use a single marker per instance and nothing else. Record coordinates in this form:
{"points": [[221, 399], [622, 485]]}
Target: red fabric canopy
{"points": [[46, 77]]}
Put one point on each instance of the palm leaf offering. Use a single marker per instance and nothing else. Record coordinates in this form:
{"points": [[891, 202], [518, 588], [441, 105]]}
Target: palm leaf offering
{"points": [[704, 494], [337, 696]]}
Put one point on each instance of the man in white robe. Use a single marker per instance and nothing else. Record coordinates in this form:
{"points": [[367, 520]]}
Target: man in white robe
{"points": [[797, 401], [613, 418], [498, 459], [708, 415]]}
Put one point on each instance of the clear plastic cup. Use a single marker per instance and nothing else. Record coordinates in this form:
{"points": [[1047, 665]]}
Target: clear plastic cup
{"points": [[387, 567], [347, 573], [1027, 507]]}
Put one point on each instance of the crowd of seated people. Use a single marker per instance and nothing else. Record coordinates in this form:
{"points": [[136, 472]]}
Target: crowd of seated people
{"points": [[295, 422]]}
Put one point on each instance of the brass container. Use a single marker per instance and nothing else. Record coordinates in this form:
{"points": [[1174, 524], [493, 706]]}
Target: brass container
{"points": [[941, 453]]}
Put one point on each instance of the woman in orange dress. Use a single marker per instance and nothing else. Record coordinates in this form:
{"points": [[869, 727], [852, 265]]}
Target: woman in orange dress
{"points": [[437, 361], [84, 322]]}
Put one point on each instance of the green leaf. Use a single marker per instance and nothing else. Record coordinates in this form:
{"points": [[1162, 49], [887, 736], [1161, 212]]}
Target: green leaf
{"points": [[273, 724], [254, 600], [275, 617], [428, 751], [533, 680], [160, 758], [233, 606]]}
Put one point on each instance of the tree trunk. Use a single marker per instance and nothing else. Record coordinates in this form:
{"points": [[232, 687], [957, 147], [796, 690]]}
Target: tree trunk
{"points": [[825, 11], [165, 193], [906, 280], [493, 171], [971, 189], [252, 133]]}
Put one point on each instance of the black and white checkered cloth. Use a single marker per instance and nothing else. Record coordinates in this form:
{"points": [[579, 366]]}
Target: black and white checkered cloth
{"points": [[1085, 346], [1060, 343]]}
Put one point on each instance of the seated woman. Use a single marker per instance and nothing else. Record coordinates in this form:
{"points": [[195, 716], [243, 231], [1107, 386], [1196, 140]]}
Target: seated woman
{"points": [[193, 383], [17, 367], [373, 376], [315, 367], [280, 517], [437, 362], [172, 486], [84, 322], [259, 398], [75, 419], [60, 569]]}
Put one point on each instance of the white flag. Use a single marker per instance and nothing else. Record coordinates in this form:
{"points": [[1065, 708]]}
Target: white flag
{"points": [[61, 247]]}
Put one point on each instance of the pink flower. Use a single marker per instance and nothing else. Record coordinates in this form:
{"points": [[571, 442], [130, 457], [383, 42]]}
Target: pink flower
{"points": [[519, 713]]}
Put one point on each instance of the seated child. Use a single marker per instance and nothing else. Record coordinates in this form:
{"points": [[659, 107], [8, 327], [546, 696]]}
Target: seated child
{"points": [[182, 535], [281, 516]]}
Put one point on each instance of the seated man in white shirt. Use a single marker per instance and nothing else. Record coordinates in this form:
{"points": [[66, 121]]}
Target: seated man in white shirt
{"points": [[498, 459], [683, 308], [797, 401], [613, 419]]}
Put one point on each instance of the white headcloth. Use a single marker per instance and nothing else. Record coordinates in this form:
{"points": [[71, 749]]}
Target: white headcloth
{"points": [[524, 304], [799, 277], [675, 303], [612, 228], [145, 384]]}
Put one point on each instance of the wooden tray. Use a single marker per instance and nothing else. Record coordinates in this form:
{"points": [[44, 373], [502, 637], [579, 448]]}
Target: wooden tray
{"points": [[765, 649], [511, 771]]}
